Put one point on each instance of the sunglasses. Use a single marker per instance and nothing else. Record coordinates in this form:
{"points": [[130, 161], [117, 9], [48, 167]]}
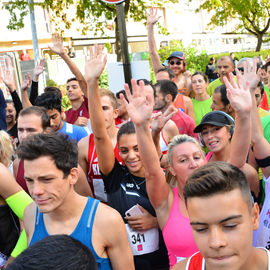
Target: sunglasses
{"points": [[178, 63]]}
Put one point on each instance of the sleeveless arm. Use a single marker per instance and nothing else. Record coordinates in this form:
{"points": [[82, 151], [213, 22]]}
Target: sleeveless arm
{"points": [[104, 147]]}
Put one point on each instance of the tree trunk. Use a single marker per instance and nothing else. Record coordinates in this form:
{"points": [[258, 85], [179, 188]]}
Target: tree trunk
{"points": [[259, 42], [117, 42]]}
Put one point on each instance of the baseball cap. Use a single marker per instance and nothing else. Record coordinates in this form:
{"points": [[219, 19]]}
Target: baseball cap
{"points": [[177, 54], [215, 118]]}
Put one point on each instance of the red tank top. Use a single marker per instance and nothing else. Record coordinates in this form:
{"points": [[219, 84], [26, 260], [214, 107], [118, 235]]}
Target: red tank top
{"points": [[264, 103], [94, 176], [196, 262], [20, 177], [72, 115]]}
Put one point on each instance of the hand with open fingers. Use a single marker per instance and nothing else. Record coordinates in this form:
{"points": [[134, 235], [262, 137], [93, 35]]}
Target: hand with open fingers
{"points": [[152, 17], [57, 44], [238, 93], [143, 222], [95, 64], [26, 82], [251, 74], [160, 119], [8, 79], [39, 68], [139, 105]]}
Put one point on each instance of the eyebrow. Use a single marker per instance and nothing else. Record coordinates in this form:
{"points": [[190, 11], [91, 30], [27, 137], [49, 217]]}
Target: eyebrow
{"points": [[221, 221]]}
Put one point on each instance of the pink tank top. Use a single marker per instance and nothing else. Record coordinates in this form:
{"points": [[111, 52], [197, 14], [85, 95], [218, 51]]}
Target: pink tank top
{"points": [[177, 234]]}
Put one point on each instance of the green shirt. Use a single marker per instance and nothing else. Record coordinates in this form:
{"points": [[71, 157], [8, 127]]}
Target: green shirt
{"points": [[212, 86], [201, 108], [266, 127]]}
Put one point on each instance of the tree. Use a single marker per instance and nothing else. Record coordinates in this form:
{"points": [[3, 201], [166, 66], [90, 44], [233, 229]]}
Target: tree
{"points": [[253, 16], [92, 14]]}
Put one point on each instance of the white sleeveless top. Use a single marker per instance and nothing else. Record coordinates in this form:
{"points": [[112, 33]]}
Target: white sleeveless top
{"points": [[203, 262]]}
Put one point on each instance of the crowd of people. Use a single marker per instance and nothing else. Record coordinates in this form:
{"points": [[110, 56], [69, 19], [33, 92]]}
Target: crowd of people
{"points": [[171, 175]]}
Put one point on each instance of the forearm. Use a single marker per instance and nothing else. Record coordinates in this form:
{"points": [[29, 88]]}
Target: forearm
{"points": [[156, 139], [155, 59], [33, 92], [25, 100], [241, 139], [17, 102], [75, 70]]}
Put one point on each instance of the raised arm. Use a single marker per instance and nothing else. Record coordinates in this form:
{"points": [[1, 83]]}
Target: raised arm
{"points": [[94, 66], [152, 18], [240, 100], [140, 109], [25, 85], [38, 70], [59, 49]]}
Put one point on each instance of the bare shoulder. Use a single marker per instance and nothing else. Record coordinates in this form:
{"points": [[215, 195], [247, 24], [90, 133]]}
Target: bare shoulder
{"points": [[29, 220], [181, 265], [16, 166], [187, 100]]}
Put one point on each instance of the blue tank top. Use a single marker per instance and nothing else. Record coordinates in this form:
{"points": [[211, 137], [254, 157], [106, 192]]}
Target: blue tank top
{"points": [[82, 232]]}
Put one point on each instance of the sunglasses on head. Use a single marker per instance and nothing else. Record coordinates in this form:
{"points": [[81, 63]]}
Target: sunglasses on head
{"points": [[178, 63]]}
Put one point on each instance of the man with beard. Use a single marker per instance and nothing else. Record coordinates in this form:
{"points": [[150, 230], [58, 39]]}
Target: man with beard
{"points": [[225, 65]]}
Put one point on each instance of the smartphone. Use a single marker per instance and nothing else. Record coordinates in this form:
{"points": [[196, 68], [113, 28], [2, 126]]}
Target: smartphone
{"points": [[134, 211]]}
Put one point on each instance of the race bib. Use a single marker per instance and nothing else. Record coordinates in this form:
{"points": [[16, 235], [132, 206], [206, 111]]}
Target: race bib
{"points": [[143, 242]]}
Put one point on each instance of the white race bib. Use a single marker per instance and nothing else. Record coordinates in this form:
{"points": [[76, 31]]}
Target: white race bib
{"points": [[143, 242]]}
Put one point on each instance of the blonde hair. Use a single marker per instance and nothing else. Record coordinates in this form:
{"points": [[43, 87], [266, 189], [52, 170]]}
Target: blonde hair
{"points": [[176, 140], [6, 148]]}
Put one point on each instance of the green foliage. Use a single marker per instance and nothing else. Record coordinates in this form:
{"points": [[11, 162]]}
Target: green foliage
{"points": [[195, 60], [103, 80], [252, 16], [94, 15]]}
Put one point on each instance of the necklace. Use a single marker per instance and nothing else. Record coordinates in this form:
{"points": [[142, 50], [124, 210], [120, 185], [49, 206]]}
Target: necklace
{"points": [[137, 184]]}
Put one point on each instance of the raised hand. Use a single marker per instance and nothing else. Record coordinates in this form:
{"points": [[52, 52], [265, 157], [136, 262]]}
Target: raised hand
{"points": [[57, 46], [238, 93], [26, 82], [8, 77], [95, 64], [39, 69], [251, 75], [160, 119], [140, 105], [152, 17]]}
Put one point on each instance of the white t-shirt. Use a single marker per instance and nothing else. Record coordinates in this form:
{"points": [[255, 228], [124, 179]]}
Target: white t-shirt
{"points": [[261, 237]]}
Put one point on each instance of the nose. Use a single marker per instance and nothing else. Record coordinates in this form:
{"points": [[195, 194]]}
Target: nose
{"points": [[23, 134], [193, 164], [217, 238], [37, 189], [131, 154]]}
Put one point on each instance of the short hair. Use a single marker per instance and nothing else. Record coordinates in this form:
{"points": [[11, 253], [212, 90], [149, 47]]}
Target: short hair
{"points": [[50, 101], [72, 79], [212, 58], [167, 87], [167, 70], [126, 129], [217, 178], [146, 82], [10, 102], [55, 252], [266, 65], [53, 90], [106, 92], [179, 139], [223, 93], [39, 111], [59, 147], [6, 148], [202, 74], [226, 58]]}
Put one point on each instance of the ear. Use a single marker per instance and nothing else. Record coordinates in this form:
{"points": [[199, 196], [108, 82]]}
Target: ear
{"points": [[115, 113], [171, 169], [168, 98], [62, 114], [73, 176], [255, 212], [229, 108]]}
